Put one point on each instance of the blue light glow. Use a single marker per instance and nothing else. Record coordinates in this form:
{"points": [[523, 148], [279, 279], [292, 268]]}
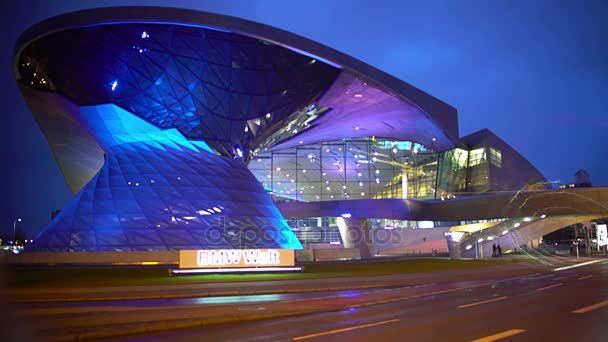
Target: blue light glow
{"points": [[145, 35], [113, 126], [114, 85], [312, 107], [121, 209], [238, 299]]}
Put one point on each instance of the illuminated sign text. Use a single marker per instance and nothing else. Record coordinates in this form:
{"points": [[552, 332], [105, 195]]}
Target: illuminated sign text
{"points": [[220, 258]]}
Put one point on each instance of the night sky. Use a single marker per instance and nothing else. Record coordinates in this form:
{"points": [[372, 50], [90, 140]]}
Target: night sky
{"points": [[535, 74]]}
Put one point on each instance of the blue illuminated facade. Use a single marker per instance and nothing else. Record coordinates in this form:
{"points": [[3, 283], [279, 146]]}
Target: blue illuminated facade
{"points": [[160, 191]]}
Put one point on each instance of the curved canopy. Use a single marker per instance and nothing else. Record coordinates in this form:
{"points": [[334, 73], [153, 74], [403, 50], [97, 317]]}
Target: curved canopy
{"points": [[230, 82]]}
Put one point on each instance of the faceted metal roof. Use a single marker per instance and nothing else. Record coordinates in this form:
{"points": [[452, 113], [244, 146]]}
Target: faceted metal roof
{"points": [[228, 81], [206, 83]]}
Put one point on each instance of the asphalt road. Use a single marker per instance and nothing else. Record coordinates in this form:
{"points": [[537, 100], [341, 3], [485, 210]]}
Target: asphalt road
{"points": [[567, 305], [525, 301]]}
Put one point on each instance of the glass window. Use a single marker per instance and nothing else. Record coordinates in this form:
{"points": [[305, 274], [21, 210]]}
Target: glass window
{"points": [[348, 169], [495, 157], [477, 156]]}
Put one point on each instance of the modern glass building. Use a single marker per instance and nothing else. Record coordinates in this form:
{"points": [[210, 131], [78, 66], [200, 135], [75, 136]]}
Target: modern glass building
{"points": [[179, 129], [381, 168]]}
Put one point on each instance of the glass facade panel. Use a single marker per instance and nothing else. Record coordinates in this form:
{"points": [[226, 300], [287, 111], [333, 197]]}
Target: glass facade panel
{"points": [[348, 169], [477, 156], [452, 172]]}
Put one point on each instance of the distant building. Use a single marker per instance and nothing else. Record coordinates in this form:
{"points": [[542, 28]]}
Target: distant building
{"points": [[582, 178]]}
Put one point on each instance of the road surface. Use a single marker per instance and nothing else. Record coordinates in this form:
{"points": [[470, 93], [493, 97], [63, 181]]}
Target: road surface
{"points": [[523, 302]]}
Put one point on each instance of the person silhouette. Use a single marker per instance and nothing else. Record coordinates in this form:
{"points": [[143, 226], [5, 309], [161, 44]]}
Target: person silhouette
{"points": [[498, 250], [493, 250]]}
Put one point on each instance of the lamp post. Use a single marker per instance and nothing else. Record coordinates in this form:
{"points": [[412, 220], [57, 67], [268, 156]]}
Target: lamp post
{"points": [[15, 226]]}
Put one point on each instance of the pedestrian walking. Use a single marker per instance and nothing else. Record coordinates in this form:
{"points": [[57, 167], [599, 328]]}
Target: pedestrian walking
{"points": [[493, 250], [498, 251]]}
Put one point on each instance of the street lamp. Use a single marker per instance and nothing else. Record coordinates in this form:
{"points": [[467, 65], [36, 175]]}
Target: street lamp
{"points": [[14, 226]]}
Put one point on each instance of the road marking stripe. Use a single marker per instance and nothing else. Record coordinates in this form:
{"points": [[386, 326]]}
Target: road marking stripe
{"points": [[541, 277], [591, 307], [499, 336], [604, 271], [456, 289], [482, 302], [419, 295], [577, 265], [344, 329], [560, 278], [550, 287], [585, 277]]}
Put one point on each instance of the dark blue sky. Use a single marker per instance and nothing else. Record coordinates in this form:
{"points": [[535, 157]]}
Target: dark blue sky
{"points": [[534, 72]]}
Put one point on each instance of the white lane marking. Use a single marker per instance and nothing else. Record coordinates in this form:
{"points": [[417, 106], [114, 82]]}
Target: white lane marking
{"points": [[399, 299], [541, 277], [344, 329], [604, 271], [541, 260], [577, 265], [482, 302], [591, 307], [585, 277], [500, 335], [550, 287], [560, 278]]}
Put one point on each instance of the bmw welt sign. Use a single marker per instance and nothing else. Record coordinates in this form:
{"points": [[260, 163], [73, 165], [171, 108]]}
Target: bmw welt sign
{"points": [[221, 258]]}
